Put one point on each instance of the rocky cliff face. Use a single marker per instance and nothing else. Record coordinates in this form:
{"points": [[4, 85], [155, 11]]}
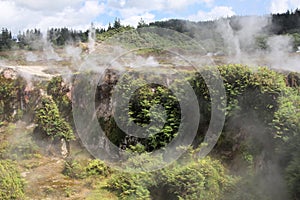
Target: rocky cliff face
{"points": [[293, 79], [104, 92], [18, 98]]}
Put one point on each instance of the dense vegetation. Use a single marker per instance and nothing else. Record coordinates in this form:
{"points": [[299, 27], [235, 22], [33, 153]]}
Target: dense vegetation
{"points": [[50, 122], [11, 93], [260, 106], [198, 179], [11, 184], [261, 131]]}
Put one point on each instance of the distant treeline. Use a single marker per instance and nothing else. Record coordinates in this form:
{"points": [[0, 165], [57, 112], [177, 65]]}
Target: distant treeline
{"points": [[33, 39], [285, 23], [288, 22]]}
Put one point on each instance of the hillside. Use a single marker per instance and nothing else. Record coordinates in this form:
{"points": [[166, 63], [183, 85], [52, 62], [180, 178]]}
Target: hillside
{"points": [[209, 111]]}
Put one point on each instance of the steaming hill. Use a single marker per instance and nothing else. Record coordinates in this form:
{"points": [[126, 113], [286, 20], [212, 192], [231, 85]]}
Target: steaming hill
{"points": [[42, 155], [253, 40]]}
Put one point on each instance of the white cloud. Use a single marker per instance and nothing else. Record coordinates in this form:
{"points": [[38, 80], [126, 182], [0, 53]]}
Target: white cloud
{"points": [[78, 14], [215, 13], [133, 20], [142, 5], [281, 6], [181, 4], [157, 5], [131, 11], [71, 17], [128, 12], [46, 6], [17, 15]]}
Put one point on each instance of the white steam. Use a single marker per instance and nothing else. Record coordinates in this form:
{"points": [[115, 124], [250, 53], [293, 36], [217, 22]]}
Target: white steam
{"points": [[92, 37], [240, 42], [280, 53]]}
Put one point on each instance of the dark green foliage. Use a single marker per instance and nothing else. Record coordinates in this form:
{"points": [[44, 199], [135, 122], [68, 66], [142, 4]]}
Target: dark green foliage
{"points": [[31, 40], [63, 36], [252, 101], [251, 94], [7, 94], [97, 167], [296, 38], [287, 118], [195, 179], [58, 90], [117, 24], [74, 169], [111, 31], [249, 90], [262, 121], [287, 125], [80, 170], [112, 131], [5, 39], [11, 184], [50, 122], [174, 24], [142, 24], [139, 110], [286, 22], [11, 95], [293, 173], [131, 186]]}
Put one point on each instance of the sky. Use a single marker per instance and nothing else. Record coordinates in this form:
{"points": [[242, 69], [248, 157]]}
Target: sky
{"points": [[19, 15]]}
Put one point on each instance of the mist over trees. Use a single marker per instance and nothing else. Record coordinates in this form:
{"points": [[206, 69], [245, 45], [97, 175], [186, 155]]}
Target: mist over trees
{"points": [[285, 23]]}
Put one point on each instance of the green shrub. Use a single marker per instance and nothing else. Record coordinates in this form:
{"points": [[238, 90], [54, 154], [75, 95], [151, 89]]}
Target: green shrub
{"points": [[58, 90], [80, 170], [11, 184], [199, 179], [74, 169], [11, 90], [97, 167], [196, 179], [286, 123], [293, 175], [50, 122], [131, 186]]}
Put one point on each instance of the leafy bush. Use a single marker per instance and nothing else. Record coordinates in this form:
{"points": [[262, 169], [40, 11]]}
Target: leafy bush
{"points": [[97, 167], [196, 179], [58, 90], [74, 169], [131, 186], [252, 90], [11, 184], [293, 174], [80, 170], [50, 121], [11, 89], [287, 126]]}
